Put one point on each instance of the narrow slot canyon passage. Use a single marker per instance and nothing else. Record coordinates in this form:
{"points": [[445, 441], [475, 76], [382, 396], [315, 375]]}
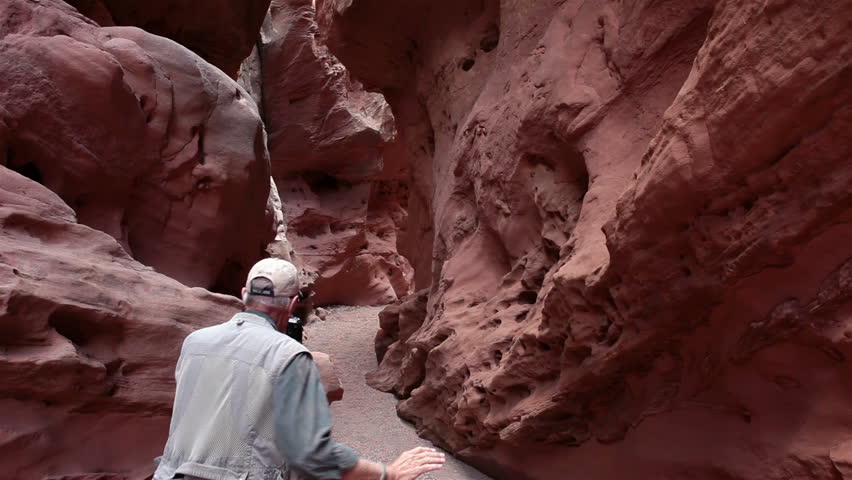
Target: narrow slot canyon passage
{"points": [[584, 239], [366, 418]]}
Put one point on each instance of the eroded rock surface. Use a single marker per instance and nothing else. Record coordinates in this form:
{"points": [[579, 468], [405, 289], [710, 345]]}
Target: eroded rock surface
{"points": [[341, 184], [142, 138], [88, 342], [222, 32], [89, 339], [634, 222]]}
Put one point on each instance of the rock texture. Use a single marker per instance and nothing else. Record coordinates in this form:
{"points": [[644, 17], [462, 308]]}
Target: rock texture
{"points": [[88, 343], [635, 223], [116, 147], [222, 32], [143, 139], [341, 183]]}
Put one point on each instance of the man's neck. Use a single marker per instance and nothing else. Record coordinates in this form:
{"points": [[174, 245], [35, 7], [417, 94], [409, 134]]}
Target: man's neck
{"points": [[266, 316]]}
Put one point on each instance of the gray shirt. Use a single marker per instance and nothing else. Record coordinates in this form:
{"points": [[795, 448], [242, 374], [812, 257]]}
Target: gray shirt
{"points": [[303, 422]]}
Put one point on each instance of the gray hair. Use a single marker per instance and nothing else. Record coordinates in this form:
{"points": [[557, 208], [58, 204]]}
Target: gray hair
{"points": [[273, 302]]}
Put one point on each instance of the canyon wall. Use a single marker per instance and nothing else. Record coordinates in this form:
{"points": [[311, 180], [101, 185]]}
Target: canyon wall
{"points": [[88, 343], [342, 184], [127, 165], [222, 32], [633, 221], [143, 139]]}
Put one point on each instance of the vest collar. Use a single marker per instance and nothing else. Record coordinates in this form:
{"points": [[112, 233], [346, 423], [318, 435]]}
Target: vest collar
{"points": [[257, 317]]}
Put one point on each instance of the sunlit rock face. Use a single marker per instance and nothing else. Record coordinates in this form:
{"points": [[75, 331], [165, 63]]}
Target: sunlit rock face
{"points": [[633, 220], [340, 176], [131, 170], [89, 338], [143, 139]]}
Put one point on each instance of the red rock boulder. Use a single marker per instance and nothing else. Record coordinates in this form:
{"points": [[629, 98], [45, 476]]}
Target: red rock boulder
{"points": [[142, 138], [88, 343]]}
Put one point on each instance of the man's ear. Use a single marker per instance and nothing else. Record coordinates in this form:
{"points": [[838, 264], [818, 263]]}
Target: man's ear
{"points": [[243, 294], [292, 305]]}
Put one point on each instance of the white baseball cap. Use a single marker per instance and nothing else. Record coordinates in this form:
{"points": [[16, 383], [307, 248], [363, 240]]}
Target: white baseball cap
{"points": [[283, 276]]}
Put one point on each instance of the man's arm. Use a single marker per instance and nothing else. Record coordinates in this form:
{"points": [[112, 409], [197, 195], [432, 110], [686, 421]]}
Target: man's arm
{"points": [[303, 433], [303, 423]]}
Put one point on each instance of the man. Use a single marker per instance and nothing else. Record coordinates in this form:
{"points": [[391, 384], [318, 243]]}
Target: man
{"points": [[249, 403]]}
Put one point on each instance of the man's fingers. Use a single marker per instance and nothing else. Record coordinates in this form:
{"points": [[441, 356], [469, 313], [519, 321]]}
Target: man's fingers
{"points": [[417, 450], [427, 453], [429, 467], [425, 457]]}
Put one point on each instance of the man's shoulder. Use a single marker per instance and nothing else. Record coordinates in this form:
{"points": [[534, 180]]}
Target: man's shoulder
{"points": [[206, 332]]}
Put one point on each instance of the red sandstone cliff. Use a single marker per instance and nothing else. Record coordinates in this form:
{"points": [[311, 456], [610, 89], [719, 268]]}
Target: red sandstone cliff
{"points": [[118, 148], [633, 219], [143, 139]]}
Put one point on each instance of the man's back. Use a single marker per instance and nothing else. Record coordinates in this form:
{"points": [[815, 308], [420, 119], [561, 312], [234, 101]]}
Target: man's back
{"points": [[222, 425]]}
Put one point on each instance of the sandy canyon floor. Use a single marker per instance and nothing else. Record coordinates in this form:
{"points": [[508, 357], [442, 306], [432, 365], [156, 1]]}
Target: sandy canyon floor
{"points": [[366, 419]]}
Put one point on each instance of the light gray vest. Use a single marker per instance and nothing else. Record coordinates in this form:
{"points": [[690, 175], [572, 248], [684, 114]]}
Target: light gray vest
{"points": [[222, 425]]}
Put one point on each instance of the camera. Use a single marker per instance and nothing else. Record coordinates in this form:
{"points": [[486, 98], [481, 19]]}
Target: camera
{"points": [[294, 328]]}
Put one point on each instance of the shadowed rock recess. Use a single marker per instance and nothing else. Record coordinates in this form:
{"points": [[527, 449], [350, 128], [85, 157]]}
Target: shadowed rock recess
{"points": [[633, 223]]}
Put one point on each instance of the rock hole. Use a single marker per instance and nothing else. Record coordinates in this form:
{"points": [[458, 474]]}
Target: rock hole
{"points": [[466, 64], [498, 356], [198, 131], [491, 38], [84, 327], [28, 169], [228, 280], [527, 297], [203, 183], [321, 182], [574, 356]]}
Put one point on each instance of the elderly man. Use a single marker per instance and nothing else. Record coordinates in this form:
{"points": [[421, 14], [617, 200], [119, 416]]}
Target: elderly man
{"points": [[249, 403]]}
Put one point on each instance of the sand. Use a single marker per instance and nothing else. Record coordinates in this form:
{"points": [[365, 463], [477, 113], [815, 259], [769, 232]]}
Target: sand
{"points": [[366, 419]]}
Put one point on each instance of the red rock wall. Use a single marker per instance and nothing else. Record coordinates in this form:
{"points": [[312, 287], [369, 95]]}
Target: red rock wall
{"points": [[88, 343], [143, 139], [222, 32], [342, 188], [116, 147], [634, 222]]}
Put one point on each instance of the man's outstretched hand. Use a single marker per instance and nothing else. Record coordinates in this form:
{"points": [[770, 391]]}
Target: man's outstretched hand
{"points": [[415, 462]]}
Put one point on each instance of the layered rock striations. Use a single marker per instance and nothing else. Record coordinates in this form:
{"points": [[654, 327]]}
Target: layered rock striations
{"points": [[119, 151], [222, 32], [341, 181], [142, 138], [88, 343], [633, 220]]}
